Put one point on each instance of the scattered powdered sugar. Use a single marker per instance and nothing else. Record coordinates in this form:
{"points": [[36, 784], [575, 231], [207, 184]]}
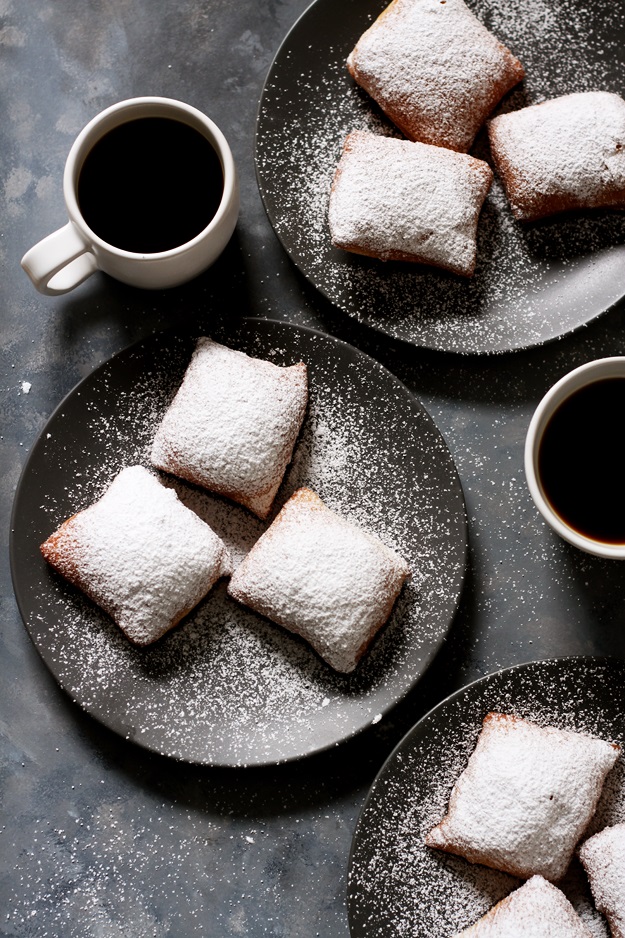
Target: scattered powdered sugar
{"points": [[227, 686], [531, 283], [398, 887], [90, 871]]}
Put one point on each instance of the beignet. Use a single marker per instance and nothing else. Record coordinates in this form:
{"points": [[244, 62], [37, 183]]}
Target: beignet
{"points": [[233, 425], [566, 153], [140, 554], [323, 578], [536, 910], [603, 858], [434, 69], [397, 200], [525, 797]]}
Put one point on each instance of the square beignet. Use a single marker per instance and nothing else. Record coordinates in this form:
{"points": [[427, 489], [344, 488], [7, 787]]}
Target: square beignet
{"points": [[525, 797], [535, 910], [434, 69], [140, 554], [233, 424], [603, 858], [397, 200], [564, 154], [320, 576]]}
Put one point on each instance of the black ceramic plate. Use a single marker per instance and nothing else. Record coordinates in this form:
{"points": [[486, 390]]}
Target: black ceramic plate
{"points": [[532, 283], [397, 886], [227, 687]]}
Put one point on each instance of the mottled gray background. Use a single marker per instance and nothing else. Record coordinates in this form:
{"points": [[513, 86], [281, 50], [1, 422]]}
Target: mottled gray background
{"points": [[98, 838]]}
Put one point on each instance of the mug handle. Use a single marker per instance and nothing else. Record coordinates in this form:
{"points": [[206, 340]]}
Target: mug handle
{"points": [[60, 262]]}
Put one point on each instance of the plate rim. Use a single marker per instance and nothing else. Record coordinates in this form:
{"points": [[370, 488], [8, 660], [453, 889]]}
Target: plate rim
{"points": [[189, 331]]}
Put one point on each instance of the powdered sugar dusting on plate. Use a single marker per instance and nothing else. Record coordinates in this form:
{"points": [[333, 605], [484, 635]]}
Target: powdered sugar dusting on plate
{"points": [[398, 888], [525, 278], [227, 686]]}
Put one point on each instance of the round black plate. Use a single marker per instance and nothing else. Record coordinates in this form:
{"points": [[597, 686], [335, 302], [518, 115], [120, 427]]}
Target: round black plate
{"points": [[227, 687], [397, 886], [532, 283]]}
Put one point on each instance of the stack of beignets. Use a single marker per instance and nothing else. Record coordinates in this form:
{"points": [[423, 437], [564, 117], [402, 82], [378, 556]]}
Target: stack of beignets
{"points": [[438, 73], [521, 805]]}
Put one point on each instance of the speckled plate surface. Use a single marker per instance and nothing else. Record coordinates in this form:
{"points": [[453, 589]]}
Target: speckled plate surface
{"points": [[532, 283], [398, 888], [227, 687]]}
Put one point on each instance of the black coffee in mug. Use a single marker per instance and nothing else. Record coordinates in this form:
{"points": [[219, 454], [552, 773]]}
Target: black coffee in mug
{"points": [[581, 464], [150, 185]]}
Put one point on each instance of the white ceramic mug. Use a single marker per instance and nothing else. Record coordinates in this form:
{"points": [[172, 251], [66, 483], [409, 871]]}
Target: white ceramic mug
{"points": [[578, 378], [68, 256]]}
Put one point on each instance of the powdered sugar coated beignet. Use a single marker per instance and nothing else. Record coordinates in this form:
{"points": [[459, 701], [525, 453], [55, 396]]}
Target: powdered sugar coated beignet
{"points": [[139, 553], [321, 577], [566, 153], [434, 69], [233, 424], [536, 910], [525, 797], [398, 200], [603, 858]]}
